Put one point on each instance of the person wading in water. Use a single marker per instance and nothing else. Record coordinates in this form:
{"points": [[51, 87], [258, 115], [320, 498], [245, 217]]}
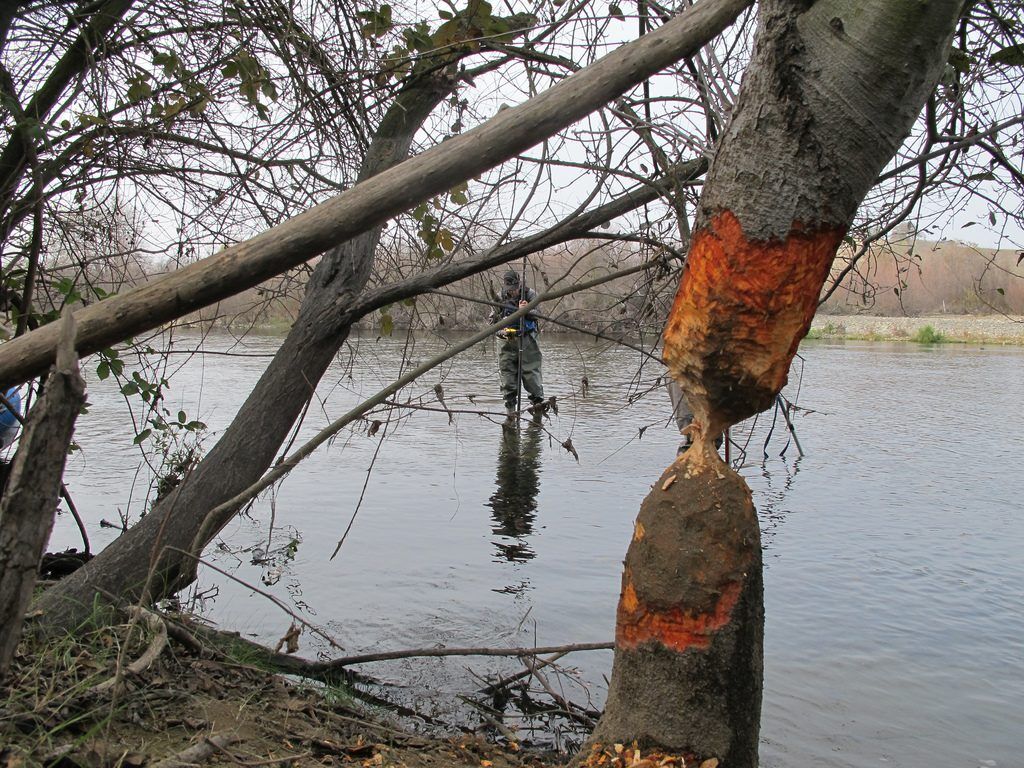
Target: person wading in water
{"points": [[519, 358]]}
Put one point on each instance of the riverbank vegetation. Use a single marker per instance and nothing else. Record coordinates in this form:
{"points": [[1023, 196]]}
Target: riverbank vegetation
{"points": [[86, 701]]}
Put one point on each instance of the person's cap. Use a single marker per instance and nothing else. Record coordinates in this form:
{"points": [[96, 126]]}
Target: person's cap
{"points": [[511, 277]]}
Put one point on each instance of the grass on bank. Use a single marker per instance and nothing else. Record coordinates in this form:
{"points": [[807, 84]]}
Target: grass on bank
{"points": [[48, 699], [926, 334]]}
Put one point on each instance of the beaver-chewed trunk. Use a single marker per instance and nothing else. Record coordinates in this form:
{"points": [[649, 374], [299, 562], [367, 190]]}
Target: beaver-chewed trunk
{"points": [[690, 610], [832, 89]]}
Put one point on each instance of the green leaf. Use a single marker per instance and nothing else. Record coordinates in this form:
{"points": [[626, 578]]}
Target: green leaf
{"points": [[142, 436], [960, 60], [445, 240], [181, 417], [169, 62], [458, 194], [103, 370], [446, 15], [140, 88], [616, 12], [1011, 56], [1000, 291], [129, 389], [387, 324], [985, 176], [378, 23], [496, 27], [992, 218]]}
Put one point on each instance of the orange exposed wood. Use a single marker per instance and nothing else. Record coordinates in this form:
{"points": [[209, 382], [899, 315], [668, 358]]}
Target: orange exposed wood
{"points": [[637, 623], [741, 310]]}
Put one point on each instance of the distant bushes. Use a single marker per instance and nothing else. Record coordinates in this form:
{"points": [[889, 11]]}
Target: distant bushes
{"points": [[928, 335]]}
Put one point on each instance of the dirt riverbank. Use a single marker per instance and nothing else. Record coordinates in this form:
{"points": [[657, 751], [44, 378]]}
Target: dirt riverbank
{"points": [[64, 705]]}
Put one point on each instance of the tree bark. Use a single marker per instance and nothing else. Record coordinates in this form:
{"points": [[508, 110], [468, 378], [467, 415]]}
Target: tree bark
{"points": [[375, 200], [832, 90], [30, 498]]}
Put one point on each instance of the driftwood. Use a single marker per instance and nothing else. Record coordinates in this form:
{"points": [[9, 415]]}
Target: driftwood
{"points": [[423, 652], [491, 688], [569, 709], [156, 646], [30, 498], [296, 665]]}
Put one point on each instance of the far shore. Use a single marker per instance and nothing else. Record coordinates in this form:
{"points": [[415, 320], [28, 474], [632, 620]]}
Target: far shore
{"points": [[924, 329], [957, 329]]}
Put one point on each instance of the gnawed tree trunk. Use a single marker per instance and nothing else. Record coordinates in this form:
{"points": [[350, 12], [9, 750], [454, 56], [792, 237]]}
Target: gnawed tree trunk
{"points": [[832, 90], [30, 498]]}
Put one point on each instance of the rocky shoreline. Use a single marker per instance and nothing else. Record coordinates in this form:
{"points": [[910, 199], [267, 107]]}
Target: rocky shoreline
{"points": [[961, 329]]}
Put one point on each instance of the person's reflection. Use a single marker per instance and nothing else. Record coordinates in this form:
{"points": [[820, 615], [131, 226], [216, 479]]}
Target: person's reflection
{"points": [[514, 502]]}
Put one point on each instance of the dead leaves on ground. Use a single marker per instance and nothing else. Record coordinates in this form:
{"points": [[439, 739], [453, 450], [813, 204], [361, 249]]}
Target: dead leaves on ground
{"points": [[621, 756]]}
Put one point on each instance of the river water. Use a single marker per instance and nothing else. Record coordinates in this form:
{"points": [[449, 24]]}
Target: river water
{"points": [[894, 548]]}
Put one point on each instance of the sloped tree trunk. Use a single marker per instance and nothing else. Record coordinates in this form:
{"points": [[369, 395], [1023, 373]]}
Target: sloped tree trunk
{"points": [[832, 90], [30, 498]]}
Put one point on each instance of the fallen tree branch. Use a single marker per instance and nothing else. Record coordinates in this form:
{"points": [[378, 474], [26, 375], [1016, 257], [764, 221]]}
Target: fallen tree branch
{"points": [[284, 760], [505, 682], [571, 710], [366, 658], [272, 598], [291, 664]]}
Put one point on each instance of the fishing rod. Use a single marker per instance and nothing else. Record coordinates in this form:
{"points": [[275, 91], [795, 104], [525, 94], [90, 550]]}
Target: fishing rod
{"points": [[519, 343]]}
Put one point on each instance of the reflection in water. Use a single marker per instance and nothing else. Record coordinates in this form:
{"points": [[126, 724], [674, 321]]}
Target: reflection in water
{"points": [[773, 484], [514, 502]]}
